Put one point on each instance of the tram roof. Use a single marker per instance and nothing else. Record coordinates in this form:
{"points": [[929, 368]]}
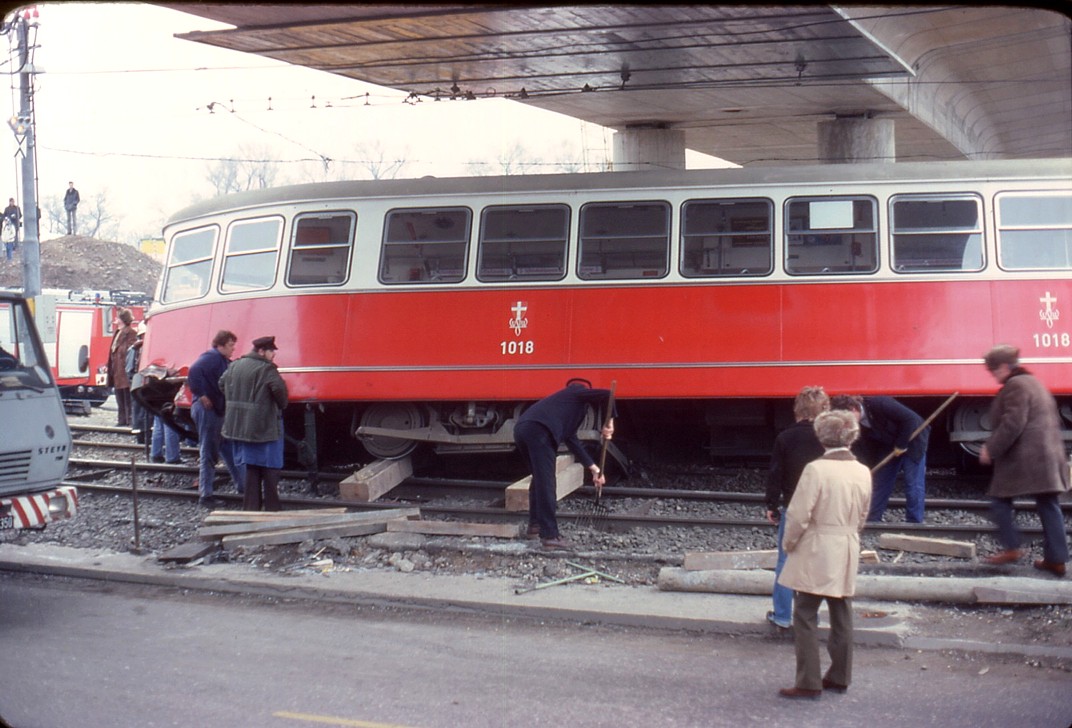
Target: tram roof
{"points": [[663, 179]]}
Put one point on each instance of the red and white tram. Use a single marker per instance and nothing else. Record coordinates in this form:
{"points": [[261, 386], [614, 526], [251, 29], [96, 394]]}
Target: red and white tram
{"points": [[431, 310]]}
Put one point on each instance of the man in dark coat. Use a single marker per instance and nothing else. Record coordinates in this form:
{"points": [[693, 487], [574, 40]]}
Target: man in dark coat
{"points": [[538, 433], [256, 396], [1029, 458], [70, 204], [886, 426]]}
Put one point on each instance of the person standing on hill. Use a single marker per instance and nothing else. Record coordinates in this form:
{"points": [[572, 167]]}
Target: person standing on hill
{"points": [[12, 223], [70, 204]]}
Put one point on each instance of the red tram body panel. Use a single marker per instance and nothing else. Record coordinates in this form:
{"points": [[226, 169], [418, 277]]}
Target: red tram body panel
{"points": [[878, 279]]}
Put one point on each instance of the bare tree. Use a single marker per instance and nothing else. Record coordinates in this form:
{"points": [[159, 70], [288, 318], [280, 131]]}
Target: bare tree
{"points": [[250, 169], [515, 159], [377, 162]]}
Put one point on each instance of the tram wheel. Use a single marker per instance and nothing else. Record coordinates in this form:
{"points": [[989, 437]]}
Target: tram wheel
{"points": [[396, 416], [970, 416]]}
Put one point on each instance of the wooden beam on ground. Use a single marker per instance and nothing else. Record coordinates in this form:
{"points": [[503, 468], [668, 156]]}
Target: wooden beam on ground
{"points": [[868, 556], [337, 519], [454, 528], [186, 552], [924, 545], [372, 481], [569, 476], [294, 535], [221, 516], [704, 560]]}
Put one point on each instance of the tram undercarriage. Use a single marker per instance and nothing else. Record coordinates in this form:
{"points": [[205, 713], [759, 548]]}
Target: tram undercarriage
{"points": [[735, 429]]}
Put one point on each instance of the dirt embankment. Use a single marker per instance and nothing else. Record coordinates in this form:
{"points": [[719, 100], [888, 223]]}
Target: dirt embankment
{"points": [[77, 262]]}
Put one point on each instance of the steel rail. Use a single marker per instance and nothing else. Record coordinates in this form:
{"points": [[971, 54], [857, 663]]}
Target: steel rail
{"points": [[598, 521]]}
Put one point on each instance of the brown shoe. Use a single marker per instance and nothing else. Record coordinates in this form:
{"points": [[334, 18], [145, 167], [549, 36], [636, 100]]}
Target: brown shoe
{"points": [[1004, 557], [1054, 568], [833, 686], [800, 693], [532, 531], [556, 543]]}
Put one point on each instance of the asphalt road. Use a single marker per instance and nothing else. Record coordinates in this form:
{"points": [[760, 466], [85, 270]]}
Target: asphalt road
{"points": [[86, 654]]}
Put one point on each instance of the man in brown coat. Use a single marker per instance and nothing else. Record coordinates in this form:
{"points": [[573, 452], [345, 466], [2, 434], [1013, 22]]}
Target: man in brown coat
{"points": [[1029, 458], [122, 340]]}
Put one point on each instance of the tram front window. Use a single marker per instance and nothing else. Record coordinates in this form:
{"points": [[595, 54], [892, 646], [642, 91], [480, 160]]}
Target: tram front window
{"points": [[22, 364]]}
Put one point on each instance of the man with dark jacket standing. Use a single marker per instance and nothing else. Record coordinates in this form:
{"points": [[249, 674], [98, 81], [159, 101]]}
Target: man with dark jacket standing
{"points": [[1029, 458], [256, 397], [70, 203], [208, 410], [886, 426]]}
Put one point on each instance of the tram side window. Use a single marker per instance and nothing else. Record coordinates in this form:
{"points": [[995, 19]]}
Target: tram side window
{"points": [[425, 245], [320, 252], [250, 256], [932, 233], [523, 243], [624, 240], [831, 235], [189, 265], [727, 238], [1035, 230]]}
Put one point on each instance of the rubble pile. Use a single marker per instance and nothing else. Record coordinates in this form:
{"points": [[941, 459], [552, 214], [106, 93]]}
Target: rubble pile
{"points": [[77, 262]]}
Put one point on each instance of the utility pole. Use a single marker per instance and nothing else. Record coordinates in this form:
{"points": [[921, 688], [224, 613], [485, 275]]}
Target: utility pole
{"points": [[23, 126]]}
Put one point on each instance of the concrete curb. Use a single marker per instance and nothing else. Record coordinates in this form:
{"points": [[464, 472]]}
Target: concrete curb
{"points": [[602, 603]]}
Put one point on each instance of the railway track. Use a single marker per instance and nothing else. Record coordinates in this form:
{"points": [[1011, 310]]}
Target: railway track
{"points": [[622, 507]]}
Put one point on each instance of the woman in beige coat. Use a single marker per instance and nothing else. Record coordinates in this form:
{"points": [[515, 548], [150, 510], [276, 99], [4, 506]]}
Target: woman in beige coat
{"points": [[822, 544]]}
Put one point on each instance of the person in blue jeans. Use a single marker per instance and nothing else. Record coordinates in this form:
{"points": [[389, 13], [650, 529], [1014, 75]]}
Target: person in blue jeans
{"points": [[887, 426], [164, 447], [794, 448], [208, 410]]}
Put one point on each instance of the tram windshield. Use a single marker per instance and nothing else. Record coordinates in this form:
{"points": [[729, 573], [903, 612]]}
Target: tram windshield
{"points": [[22, 362]]}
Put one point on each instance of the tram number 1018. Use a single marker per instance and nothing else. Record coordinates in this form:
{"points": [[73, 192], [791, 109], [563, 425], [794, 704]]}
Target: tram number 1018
{"points": [[517, 348], [1053, 341]]}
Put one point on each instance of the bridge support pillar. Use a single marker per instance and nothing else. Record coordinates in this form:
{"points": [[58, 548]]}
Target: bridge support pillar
{"points": [[847, 140], [655, 146]]}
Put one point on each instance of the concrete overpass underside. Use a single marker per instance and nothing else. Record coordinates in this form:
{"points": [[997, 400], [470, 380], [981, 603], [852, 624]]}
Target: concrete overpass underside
{"points": [[751, 84]]}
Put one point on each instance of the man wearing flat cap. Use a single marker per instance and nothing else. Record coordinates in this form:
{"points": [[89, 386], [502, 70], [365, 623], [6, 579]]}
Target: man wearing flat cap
{"points": [[256, 396]]}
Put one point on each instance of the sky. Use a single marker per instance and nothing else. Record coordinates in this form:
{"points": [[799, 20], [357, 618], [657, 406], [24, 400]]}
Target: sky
{"points": [[126, 110]]}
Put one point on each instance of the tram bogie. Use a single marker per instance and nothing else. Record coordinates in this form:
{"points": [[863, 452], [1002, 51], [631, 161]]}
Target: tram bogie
{"points": [[427, 312]]}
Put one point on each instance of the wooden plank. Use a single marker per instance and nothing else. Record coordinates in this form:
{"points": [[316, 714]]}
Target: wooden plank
{"points": [[212, 532], [924, 545], [704, 560], [372, 481], [868, 556], [568, 478], [294, 535], [217, 517], [454, 528], [187, 552]]}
